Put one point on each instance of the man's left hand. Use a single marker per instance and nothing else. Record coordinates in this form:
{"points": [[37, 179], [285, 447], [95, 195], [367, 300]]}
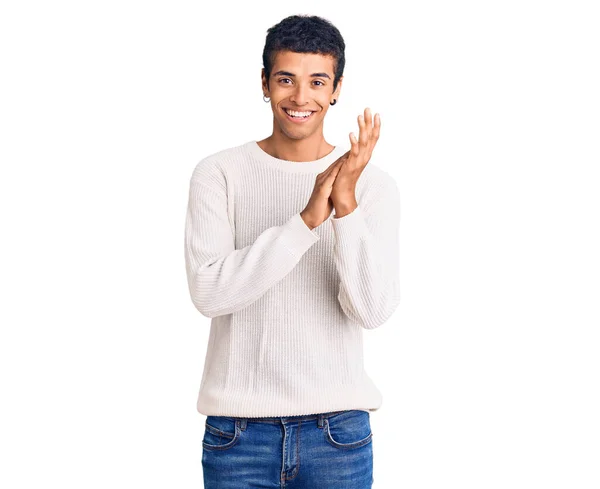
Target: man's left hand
{"points": [[343, 193]]}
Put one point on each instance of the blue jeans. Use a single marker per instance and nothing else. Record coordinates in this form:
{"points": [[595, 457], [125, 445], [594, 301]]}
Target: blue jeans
{"points": [[331, 450]]}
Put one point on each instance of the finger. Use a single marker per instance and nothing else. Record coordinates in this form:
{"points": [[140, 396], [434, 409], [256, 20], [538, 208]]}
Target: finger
{"points": [[326, 182], [376, 128], [368, 122], [363, 133], [337, 162], [336, 170], [354, 150]]}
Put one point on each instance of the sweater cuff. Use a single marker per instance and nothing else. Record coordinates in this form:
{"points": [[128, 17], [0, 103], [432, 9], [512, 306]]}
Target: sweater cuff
{"points": [[298, 237], [350, 227]]}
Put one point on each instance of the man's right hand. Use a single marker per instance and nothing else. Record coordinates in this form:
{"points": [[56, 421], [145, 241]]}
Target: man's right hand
{"points": [[320, 206]]}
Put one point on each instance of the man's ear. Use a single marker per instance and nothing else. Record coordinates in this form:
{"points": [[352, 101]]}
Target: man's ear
{"points": [[265, 85], [336, 94]]}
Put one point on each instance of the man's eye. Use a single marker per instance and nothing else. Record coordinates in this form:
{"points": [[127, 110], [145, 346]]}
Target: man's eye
{"points": [[316, 81]]}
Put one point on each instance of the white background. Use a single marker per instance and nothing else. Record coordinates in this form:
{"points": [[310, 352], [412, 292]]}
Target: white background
{"points": [[490, 125]]}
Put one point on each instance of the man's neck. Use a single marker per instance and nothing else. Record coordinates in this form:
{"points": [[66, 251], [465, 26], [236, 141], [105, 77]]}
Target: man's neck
{"points": [[296, 150]]}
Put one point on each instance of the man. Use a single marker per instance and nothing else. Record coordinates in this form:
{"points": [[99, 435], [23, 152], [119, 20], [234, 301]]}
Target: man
{"points": [[290, 287]]}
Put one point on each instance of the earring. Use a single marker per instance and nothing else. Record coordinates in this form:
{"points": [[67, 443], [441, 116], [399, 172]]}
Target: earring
{"points": [[333, 103], [269, 98]]}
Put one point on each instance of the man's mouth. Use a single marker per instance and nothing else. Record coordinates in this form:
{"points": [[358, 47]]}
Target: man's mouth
{"points": [[299, 116]]}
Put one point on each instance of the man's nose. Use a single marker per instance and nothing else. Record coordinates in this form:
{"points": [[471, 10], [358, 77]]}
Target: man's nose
{"points": [[300, 96]]}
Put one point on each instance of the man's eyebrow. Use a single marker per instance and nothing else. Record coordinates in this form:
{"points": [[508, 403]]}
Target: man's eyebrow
{"points": [[287, 73]]}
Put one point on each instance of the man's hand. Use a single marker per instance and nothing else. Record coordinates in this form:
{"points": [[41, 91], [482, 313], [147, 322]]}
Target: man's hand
{"points": [[343, 193]]}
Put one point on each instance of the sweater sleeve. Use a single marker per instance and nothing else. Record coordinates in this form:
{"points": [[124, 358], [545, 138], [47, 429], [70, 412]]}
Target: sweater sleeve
{"points": [[223, 279], [366, 254]]}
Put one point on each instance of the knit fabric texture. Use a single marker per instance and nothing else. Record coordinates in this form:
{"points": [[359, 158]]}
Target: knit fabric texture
{"points": [[288, 304]]}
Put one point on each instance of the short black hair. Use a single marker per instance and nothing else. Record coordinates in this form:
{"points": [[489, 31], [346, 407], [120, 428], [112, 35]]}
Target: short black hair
{"points": [[305, 34]]}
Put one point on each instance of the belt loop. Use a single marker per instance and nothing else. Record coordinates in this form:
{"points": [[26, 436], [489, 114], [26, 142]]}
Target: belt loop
{"points": [[320, 422], [243, 422]]}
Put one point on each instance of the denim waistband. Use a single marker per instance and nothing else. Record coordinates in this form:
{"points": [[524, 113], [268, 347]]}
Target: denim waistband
{"points": [[242, 421], [301, 417]]}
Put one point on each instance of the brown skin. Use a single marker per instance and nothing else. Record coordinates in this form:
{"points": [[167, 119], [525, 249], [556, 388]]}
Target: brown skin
{"points": [[319, 205], [343, 192], [305, 142]]}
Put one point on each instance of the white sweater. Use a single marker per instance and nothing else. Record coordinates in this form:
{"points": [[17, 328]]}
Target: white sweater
{"points": [[288, 304]]}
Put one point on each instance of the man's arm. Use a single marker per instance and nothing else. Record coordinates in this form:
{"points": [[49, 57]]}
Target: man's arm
{"points": [[222, 279], [366, 254]]}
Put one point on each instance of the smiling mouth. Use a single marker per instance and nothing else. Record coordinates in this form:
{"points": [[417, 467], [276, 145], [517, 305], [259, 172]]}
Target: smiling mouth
{"points": [[299, 119]]}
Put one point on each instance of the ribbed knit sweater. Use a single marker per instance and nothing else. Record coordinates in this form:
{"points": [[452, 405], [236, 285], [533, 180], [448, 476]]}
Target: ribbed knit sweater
{"points": [[289, 304]]}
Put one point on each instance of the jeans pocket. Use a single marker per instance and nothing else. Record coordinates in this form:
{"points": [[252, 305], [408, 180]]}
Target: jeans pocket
{"points": [[348, 430], [220, 433]]}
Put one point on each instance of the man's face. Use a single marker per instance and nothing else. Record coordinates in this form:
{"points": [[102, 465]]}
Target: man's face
{"points": [[302, 82]]}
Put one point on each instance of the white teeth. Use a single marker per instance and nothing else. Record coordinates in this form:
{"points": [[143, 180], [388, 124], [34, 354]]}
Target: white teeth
{"points": [[297, 114]]}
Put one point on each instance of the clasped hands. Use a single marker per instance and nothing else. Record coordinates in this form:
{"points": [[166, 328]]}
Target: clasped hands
{"points": [[343, 193]]}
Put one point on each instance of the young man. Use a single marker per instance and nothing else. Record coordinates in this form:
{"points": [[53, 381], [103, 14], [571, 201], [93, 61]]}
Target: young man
{"points": [[291, 287]]}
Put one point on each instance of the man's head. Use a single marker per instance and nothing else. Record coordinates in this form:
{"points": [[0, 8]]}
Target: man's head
{"points": [[303, 70]]}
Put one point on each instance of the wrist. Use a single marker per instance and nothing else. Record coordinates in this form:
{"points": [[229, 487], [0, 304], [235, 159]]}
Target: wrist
{"points": [[343, 209], [307, 221]]}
